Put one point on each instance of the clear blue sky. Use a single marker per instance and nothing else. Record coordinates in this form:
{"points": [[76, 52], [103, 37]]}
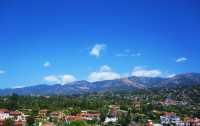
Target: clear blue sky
{"points": [[53, 38]]}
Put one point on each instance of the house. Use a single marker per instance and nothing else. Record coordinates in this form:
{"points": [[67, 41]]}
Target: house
{"points": [[114, 110], [110, 120], [17, 115], [169, 118], [168, 101], [56, 115], [4, 114], [70, 118], [192, 122], [83, 116], [136, 105], [149, 123], [42, 114], [89, 116]]}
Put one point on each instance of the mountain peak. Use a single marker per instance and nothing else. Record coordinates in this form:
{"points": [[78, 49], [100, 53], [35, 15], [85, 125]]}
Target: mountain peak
{"points": [[129, 83]]}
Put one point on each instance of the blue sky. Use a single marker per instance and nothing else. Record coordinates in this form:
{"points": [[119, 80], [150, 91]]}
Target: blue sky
{"points": [[60, 41]]}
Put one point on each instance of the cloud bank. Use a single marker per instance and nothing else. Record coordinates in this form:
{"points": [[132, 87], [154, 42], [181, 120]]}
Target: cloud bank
{"points": [[104, 73], [60, 79], [142, 72]]}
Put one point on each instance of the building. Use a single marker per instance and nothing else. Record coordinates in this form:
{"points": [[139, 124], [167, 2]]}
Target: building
{"points": [[42, 115], [192, 122], [110, 120], [168, 101], [70, 118], [170, 118], [57, 115], [114, 110], [4, 114], [43, 112], [17, 115], [83, 116], [89, 116], [149, 123], [136, 105]]}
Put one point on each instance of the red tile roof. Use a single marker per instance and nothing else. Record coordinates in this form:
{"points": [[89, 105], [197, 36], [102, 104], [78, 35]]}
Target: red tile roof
{"points": [[15, 113], [169, 113], [4, 110], [70, 118], [88, 114]]}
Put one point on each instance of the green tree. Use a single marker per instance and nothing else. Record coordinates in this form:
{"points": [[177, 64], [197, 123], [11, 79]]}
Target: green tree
{"points": [[124, 119], [13, 102], [128, 117], [77, 123], [30, 121], [8, 122], [103, 113]]}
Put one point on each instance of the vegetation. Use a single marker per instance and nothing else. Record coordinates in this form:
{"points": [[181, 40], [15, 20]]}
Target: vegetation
{"points": [[140, 105], [77, 123]]}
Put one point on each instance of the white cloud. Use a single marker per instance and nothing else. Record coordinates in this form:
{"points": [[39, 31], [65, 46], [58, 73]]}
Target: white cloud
{"points": [[97, 49], [67, 78], [47, 64], [181, 59], [52, 78], [61, 79], [2, 72], [104, 73], [141, 72], [171, 75]]}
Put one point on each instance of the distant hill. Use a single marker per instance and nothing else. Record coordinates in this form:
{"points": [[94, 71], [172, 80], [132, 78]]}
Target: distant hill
{"points": [[124, 84]]}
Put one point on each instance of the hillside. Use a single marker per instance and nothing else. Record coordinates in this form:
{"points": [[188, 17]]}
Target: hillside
{"points": [[123, 84]]}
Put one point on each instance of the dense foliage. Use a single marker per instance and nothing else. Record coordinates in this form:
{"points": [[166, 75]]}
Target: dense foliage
{"points": [[148, 104]]}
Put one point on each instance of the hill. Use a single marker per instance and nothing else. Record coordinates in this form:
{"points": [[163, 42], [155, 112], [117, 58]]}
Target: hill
{"points": [[123, 84]]}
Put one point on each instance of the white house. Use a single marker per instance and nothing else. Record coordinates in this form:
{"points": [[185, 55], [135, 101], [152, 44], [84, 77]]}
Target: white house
{"points": [[110, 120], [170, 118], [18, 116], [4, 114]]}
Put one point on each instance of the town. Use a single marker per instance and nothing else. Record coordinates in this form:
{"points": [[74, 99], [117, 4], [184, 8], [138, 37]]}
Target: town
{"points": [[99, 62], [44, 118], [107, 109]]}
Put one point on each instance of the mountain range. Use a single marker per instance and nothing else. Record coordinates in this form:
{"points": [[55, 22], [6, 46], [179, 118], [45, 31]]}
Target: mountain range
{"points": [[124, 84]]}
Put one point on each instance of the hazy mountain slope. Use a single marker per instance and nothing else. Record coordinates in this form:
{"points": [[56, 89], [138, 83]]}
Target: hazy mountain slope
{"points": [[130, 83]]}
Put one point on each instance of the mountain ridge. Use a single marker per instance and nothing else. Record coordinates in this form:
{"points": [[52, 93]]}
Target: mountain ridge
{"points": [[128, 83]]}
